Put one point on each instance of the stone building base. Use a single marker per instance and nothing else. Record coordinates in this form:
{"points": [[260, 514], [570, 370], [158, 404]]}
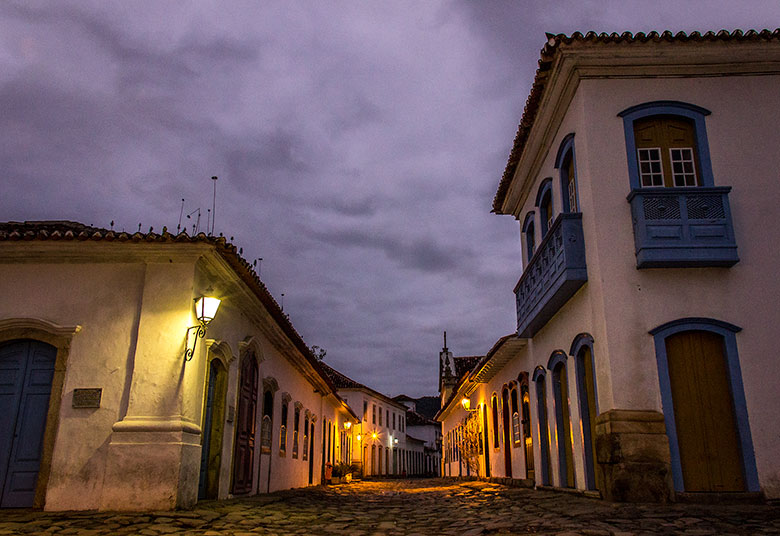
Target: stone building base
{"points": [[151, 470], [632, 451]]}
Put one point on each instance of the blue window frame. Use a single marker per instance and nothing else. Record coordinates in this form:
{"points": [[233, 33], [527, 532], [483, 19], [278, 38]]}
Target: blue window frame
{"points": [[567, 165], [544, 201], [530, 238], [681, 219], [695, 114], [728, 332]]}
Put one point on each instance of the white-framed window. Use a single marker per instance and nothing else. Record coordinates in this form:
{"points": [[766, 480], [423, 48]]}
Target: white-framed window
{"points": [[683, 166], [650, 166]]}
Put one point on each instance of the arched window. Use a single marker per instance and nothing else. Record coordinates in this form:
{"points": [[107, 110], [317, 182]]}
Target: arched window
{"points": [[544, 202], [544, 437], [283, 427], [494, 406], [666, 145], [265, 430], [306, 437], [530, 238], [557, 365], [702, 396], [565, 163], [515, 420], [296, 428]]}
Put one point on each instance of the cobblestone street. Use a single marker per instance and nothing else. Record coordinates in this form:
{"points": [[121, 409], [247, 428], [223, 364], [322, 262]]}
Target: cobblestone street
{"points": [[410, 507]]}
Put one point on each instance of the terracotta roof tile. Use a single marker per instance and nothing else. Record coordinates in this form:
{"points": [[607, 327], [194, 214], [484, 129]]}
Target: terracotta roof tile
{"points": [[70, 230], [464, 364], [548, 55]]}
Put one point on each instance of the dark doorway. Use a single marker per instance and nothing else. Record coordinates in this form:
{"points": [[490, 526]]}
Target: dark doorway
{"points": [[246, 427], [26, 373]]}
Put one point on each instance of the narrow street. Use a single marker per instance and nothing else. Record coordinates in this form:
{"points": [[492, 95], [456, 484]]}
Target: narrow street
{"points": [[409, 507]]}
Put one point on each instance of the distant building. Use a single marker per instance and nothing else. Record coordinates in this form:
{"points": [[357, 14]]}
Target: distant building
{"points": [[644, 177], [115, 396], [379, 440], [425, 428]]}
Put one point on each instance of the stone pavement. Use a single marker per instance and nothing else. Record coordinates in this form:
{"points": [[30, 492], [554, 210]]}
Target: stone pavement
{"points": [[409, 507]]}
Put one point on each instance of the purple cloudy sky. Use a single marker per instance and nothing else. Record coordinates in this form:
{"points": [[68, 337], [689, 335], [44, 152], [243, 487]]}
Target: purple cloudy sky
{"points": [[358, 145]]}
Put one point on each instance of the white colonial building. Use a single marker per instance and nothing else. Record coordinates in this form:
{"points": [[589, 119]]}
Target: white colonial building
{"points": [[121, 392], [379, 441], [644, 177]]}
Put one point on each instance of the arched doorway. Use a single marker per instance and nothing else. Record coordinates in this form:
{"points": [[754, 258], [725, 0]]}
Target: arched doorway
{"points": [[486, 439], [586, 388], [27, 370], [507, 433], [705, 421], [213, 427], [544, 439], [562, 420], [246, 426], [525, 408]]}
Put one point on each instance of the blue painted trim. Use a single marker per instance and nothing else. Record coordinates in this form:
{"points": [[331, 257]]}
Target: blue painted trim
{"points": [[728, 332], [678, 105], [557, 357], [566, 150], [528, 220], [566, 143], [529, 229], [681, 109], [685, 322], [545, 189], [581, 342], [539, 372]]}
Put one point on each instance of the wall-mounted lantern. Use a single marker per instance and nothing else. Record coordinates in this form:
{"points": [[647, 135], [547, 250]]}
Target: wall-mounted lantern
{"points": [[359, 437], [466, 403], [347, 425], [205, 310]]}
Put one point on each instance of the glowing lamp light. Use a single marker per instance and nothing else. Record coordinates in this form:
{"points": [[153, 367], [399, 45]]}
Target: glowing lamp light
{"points": [[395, 440], [206, 308], [466, 403], [359, 437], [374, 435], [347, 425]]}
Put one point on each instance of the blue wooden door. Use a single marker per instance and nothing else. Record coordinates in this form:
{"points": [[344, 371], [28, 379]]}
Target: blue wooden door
{"points": [[204, 451], [26, 372]]}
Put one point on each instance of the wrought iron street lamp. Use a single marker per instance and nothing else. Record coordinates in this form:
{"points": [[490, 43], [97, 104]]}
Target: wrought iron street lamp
{"points": [[205, 310]]}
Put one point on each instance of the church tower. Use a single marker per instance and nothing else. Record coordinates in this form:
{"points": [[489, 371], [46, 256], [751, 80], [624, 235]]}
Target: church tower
{"points": [[447, 378]]}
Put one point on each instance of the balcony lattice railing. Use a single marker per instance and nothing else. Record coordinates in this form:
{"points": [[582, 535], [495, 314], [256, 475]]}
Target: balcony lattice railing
{"points": [[553, 275], [683, 227]]}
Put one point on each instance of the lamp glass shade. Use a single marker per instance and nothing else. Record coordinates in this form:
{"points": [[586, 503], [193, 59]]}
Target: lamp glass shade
{"points": [[206, 308], [347, 425], [466, 403]]}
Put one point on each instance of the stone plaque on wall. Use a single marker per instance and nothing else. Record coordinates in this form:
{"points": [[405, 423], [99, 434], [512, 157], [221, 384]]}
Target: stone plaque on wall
{"points": [[87, 398]]}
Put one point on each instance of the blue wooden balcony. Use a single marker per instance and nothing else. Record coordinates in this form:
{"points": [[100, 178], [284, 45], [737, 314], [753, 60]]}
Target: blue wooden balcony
{"points": [[683, 227], [555, 272]]}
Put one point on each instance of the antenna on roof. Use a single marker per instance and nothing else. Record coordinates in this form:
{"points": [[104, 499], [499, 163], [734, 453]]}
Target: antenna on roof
{"points": [[282, 301], [112, 225], [445, 341], [139, 226], [181, 212], [214, 205], [259, 265], [208, 221], [196, 225]]}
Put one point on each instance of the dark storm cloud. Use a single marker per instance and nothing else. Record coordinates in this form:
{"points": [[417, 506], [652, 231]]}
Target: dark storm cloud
{"points": [[358, 146], [424, 254]]}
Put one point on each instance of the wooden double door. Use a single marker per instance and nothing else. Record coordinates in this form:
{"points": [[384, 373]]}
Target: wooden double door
{"points": [[705, 420], [26, 373]]}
